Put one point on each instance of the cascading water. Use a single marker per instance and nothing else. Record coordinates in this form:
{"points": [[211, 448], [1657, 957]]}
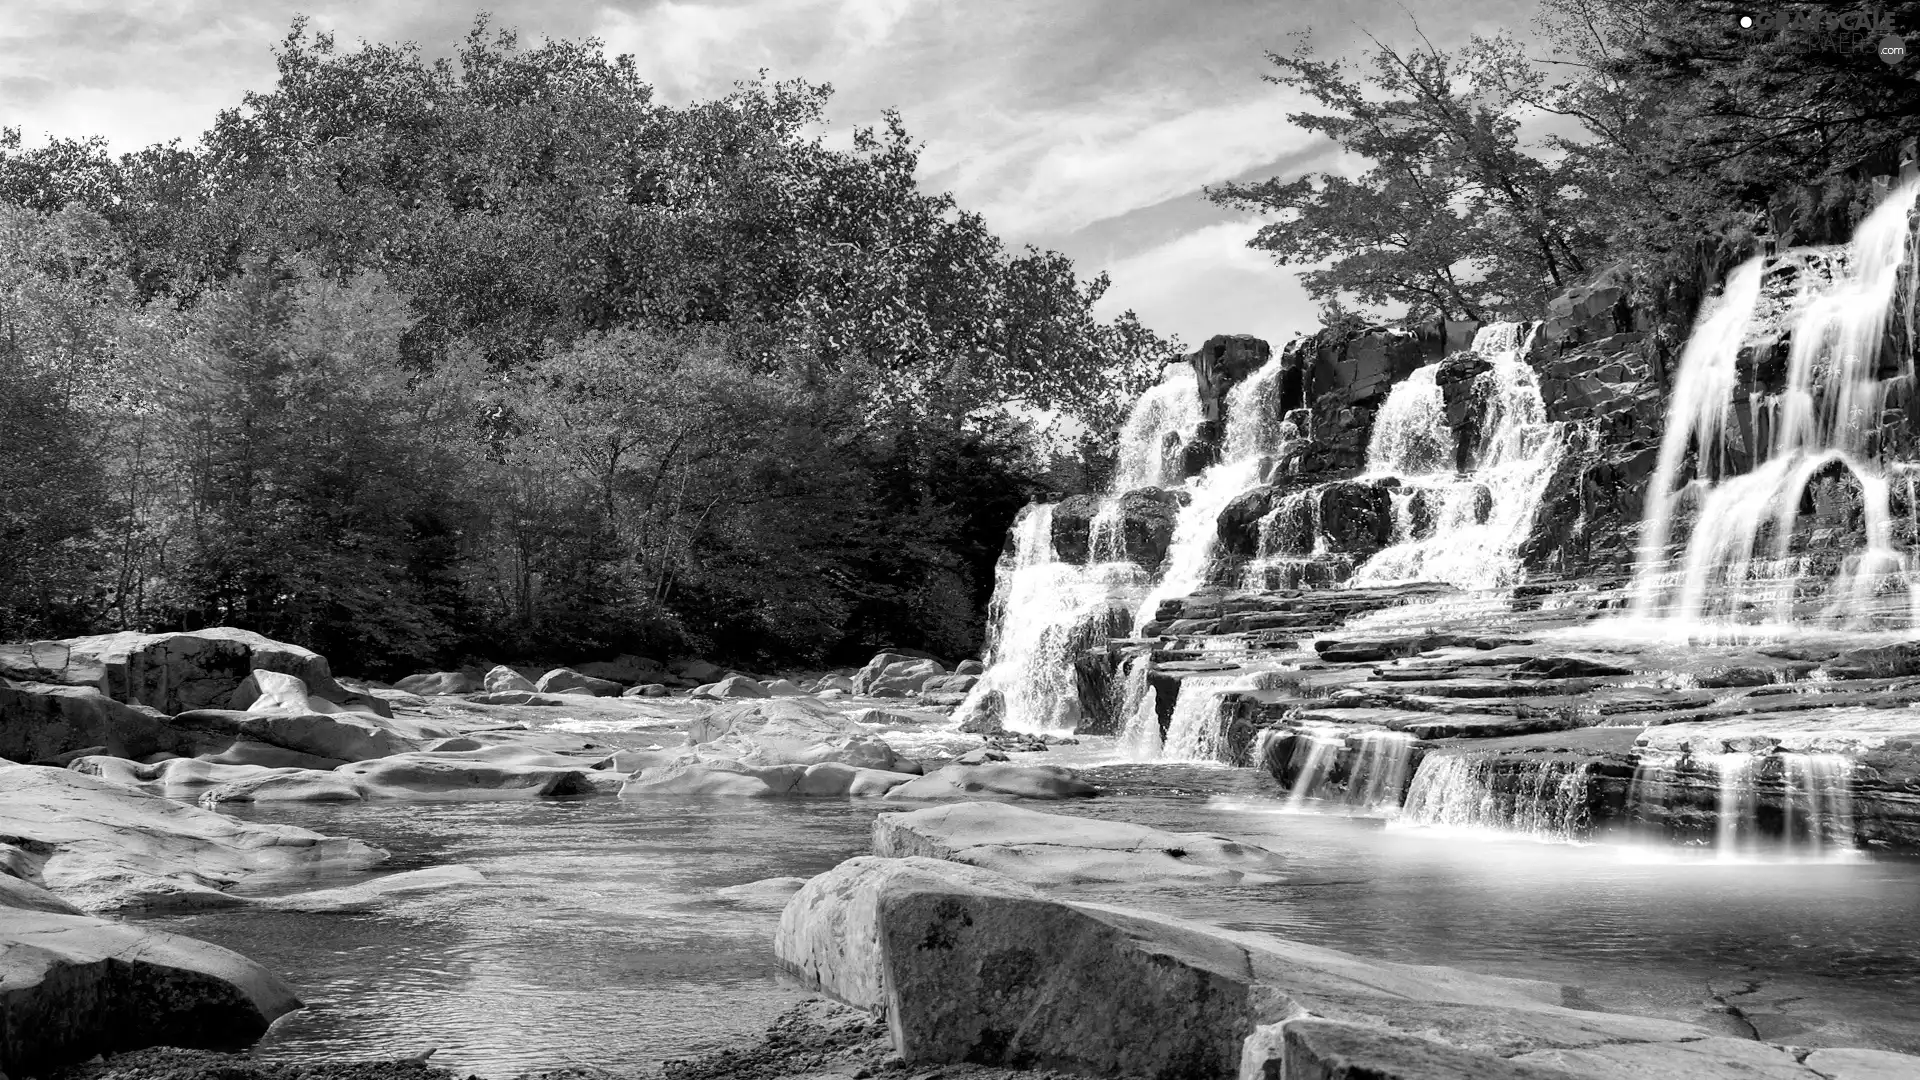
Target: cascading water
{"points": [[1321, 753], [1044, 614], [1194, 732], [1546, 800], [1380, 773], [1743, 557], [1480, 519], [1156, 428], [1140, 738]]}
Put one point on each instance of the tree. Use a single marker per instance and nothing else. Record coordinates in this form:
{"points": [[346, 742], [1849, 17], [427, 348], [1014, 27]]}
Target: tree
{"points": [[1453, 216]]}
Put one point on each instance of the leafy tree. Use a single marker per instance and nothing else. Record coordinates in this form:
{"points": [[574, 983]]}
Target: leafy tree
{"points": [[1453, 216]]}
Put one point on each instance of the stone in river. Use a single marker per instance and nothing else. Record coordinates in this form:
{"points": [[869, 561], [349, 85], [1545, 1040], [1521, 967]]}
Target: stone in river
{"points": [[1569, 667], [799, 731], [990, 780], [770, 892], [503, 679], [733, 779], [40, 721], [458, 777], [1057, 849], [74, 986], [108, 847], [438, 683], [973, 966], [1314, 1048], [569, 681], [171, 672]]}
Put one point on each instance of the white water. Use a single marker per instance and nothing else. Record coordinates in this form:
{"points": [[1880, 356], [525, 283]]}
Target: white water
{"points": [[1459, 791], [1738, 560], [1041, 612], [1160, 423], [1483, 517], [1140, 738], [1195, 733], [1322, 752]]}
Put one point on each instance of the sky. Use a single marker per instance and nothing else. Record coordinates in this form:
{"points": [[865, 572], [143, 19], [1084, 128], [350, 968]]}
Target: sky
{"points": [[1087, 126]]}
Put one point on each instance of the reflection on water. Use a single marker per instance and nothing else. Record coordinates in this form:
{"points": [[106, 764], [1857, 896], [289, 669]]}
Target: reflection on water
{"points": [[598, 939]]}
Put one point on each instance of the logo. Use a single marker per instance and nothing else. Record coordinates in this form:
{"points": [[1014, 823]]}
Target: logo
{"points": [[1870, 29], [1893, 48]]}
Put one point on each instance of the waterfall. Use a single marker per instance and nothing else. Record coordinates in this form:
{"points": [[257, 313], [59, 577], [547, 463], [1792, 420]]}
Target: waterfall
{"points": [[1546, 800], [1820, 432], [1736, 811], [1106, 533], [1410, 432], [1484, 516], [1044, 614], [1195, 732], [1140, 738], [1817, 801], [1322, 752], [1255, 423], [1156, 429], [1196, 533], [1380, 773]]}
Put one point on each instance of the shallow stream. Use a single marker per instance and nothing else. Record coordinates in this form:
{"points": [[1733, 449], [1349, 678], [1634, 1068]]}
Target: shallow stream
{"points": [[598, 940]]}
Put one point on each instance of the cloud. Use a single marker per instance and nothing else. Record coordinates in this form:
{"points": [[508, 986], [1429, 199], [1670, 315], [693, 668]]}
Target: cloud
{"points": [[1209, 282]]}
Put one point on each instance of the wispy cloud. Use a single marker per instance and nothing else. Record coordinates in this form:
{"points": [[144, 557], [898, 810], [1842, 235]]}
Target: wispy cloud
{"points": [[1089, 125]]}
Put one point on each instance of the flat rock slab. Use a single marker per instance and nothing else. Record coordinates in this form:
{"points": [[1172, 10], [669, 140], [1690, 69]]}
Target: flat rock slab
{"points": [[1057, 849], [735, 779], [994, 780], [969, 965], [72, 986], [792, 731], [110, 847]]}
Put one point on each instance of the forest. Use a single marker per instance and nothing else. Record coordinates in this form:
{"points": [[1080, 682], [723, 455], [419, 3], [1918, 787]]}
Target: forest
{"points": [[418, 361]]}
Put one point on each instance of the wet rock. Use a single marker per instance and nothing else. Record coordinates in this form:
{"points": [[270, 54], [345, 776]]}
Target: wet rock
{"points": [[718, 777], [77, 986], [169, 672], [996, 781], [1239, 524], [1311, 1048], [1569, 667], [973, 966], [438, 683], [1052, 849], [626, 669], [1900, 658], [1355, 517], [970, 667], [767, 892], [646, 690], [733, 687], [898, 676], [569, 681], [109, 847], [40, 721], [783, 688], [449, 777], [980, 756], [503, 679], [376, 892], [792, 731]]}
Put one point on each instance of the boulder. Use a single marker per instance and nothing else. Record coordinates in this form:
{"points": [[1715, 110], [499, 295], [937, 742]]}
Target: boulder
{"points": [[273, 691], [449, 777], [767, 892], [171, 672], [970, 667], [711, 776], [503, 679], [39, 721], [518, 697], [972, 966], [895, 672], [993, 780], [949, 684], [106, 847], [697, 671], [842, 683], [734, 686], [783, 688], [569, 681], [781, 731], [439, 683], [646, 690], [73, 986], [625, 668], [1054, 849]]}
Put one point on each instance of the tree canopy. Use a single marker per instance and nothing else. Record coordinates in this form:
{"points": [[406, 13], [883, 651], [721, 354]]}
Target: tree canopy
{"points": [[496, 355]]}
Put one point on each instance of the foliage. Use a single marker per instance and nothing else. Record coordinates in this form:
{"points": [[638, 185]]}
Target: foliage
{"points": [[498, 357]]}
